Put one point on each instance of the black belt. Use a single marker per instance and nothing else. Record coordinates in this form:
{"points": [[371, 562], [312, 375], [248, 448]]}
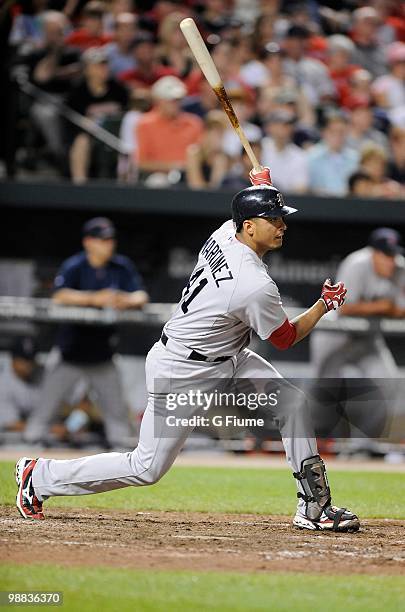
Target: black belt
{"points": [[194, 355]]}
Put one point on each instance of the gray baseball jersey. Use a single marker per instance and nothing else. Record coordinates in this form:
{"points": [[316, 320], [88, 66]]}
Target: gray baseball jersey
{"points": [[332, 352], [362, 283], [229, 293]]}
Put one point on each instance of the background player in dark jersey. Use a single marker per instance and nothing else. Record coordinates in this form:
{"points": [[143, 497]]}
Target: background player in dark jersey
{"points": [[100, 278]]}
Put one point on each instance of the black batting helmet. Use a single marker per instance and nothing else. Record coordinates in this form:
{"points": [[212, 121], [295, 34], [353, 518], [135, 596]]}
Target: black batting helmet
{"points": [[258, 201]]}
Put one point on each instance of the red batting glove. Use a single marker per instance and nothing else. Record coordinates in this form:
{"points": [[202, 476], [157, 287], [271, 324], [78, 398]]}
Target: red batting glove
{"points": [[333, 296], [260, 178]]}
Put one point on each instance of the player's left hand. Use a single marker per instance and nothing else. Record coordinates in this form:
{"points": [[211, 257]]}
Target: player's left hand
{"points": [[260, 178], [333, 296]]}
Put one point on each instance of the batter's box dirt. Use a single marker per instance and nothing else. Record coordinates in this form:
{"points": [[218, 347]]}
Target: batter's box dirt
{"points": [[199, 541]]}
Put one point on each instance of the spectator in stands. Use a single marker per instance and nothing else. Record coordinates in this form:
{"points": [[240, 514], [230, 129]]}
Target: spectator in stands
{"points": [[119, 52], [91, 33], [147, 69], [359, 91], [20, 385], [253, 71], [165, 133], [339, 60], [331, 161], [392, 14], [26, 32], [272, 57], [229, 68], [288, 163], [207, 164], [215, 16], [388, 31], [237, 177], [202, 103], [99, 278], [389, 89], [374, 162], [267, 70], [51, 68], [396, 165], [114, 10], [263, 32], [96, 97], [174, 52], [369, 52], [310, 73], [290, 99], [140, 103], [360, 184], [361, 130]]}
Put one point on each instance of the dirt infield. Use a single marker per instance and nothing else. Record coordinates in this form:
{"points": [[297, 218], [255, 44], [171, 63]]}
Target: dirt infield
{"points": [[199, 541]]}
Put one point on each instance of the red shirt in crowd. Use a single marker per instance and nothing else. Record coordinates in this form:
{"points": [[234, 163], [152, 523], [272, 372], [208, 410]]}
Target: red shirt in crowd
{"points": [[138, 78], [341, 80], [83, 40], [166, 140]]}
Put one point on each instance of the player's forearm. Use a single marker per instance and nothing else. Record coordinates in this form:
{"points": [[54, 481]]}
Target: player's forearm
{"points": [[306, 321], [72, 297], [137, 299], [381, 308]]}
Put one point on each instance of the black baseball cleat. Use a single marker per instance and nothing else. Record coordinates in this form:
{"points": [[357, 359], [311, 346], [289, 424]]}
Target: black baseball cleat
{"points": [[27, 502], [332, 519]]}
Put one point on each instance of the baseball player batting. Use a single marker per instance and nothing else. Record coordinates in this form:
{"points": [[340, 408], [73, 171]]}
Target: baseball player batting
{"points": [[229, 294]]}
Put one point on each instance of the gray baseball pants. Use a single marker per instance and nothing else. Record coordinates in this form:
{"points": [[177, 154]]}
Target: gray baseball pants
{"points": [[333, 352], [158, 444], [103, 378], [341, 355]]}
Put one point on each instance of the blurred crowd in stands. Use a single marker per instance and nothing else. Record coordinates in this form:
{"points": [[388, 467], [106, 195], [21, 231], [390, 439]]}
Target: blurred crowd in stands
{"points": [[319, 88]]}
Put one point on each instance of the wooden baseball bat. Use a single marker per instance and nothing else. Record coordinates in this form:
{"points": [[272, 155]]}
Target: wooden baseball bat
{"points": [[206, 63]]}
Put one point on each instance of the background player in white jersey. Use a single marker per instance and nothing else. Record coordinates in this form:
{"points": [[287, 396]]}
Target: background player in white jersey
{"points": [[229, 294]]}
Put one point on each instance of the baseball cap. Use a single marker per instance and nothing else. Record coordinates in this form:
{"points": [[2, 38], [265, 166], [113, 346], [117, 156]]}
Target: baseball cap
{"points": [[298, 31], [386, 240], [366, 12], [271, 49], [286, 96], [141, 38], [169, 88], [25, 348], [99, 227], [338, 42], [95, 55]]}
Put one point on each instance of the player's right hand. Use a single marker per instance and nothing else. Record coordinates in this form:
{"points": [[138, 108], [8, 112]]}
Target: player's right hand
{"points": [[261, 178], [333, 296]]}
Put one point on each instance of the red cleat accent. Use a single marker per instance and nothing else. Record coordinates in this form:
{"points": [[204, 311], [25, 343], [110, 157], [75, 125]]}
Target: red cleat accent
{"points": [[27, 502]]}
